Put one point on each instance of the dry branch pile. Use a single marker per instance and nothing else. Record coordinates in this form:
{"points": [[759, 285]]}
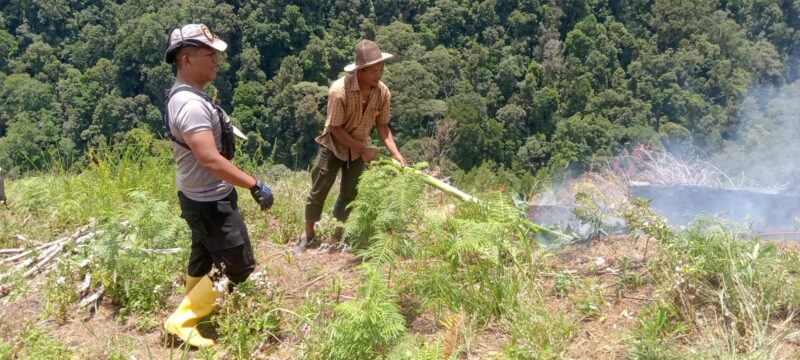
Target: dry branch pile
{"points": [[658, 166], [42, 258]]}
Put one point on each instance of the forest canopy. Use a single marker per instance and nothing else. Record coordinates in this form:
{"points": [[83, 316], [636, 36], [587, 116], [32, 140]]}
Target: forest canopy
{"points": [[527, 85]]}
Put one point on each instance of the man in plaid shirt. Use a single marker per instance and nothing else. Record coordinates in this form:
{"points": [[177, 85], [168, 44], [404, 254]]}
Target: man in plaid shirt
{"points": [[356, 103]]}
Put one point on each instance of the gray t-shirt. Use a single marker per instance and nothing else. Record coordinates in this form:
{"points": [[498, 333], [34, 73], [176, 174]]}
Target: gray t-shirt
{"points": [[190, 113]]}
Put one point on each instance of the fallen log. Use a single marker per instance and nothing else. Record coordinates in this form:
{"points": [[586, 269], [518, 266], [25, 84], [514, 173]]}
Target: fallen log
{"points": [[91, 299]]}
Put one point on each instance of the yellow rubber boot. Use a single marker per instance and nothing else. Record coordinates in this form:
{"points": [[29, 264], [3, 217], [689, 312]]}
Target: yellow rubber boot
{"points": [[191, 281], [198, 303]]}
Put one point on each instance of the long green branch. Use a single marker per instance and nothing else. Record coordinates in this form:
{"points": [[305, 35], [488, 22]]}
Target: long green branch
{"points": [[460, 195]]}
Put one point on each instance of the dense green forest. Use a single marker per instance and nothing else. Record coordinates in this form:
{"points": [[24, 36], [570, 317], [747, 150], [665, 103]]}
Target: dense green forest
{"points": [[522, 84]]}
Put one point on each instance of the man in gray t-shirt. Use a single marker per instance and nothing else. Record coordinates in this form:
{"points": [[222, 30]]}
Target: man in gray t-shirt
{"points": [[202, 146], [189, 113]]}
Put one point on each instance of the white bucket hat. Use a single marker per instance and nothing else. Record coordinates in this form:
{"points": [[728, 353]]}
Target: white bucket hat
{"points": [[367, 53], [192, 35]]}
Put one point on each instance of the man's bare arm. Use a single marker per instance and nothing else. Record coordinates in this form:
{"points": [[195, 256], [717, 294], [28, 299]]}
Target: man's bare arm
{"points": [[385, 133], [345, 138], [367, 154], [205, 150]]}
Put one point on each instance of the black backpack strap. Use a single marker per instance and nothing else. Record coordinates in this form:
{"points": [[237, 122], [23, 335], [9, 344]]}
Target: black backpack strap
{"points": [[228, 145], [169, 93]]}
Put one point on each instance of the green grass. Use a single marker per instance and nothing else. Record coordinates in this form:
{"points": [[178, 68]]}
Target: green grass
{"points": [[248, 320], [658, 327], [738, 292], [590, 300], [36, 343], [537, 331], [132, 182], [719, 292]]}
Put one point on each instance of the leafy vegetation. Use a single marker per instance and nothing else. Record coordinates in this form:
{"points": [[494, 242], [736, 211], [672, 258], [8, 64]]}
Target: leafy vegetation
{"points": [[497, 95], [367, 327], [716, 291], [526, 85]]}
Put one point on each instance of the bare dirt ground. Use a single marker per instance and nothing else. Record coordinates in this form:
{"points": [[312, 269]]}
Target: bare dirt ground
{"points": [[605, 263], [91, 333], [613, 265]]}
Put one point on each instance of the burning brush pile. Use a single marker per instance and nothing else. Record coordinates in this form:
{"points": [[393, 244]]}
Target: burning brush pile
{"points": [[645, 167], [680, 189], [683, 189]]}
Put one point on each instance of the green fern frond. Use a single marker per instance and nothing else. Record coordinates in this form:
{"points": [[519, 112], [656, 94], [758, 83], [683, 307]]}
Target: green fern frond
{"points": [[382, 251], [388, 201], [368, 326]]}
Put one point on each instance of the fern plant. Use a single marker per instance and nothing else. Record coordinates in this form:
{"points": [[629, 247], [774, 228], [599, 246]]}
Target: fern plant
{"points": [[388, 204], [126, 258], [476, 260], [367, 327]]}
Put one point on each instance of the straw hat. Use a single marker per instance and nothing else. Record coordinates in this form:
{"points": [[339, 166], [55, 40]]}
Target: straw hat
{"points": [[367, 53]]}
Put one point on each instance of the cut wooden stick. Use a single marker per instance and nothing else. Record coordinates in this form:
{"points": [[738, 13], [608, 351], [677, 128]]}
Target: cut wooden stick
{"points": [[87, 281], [318, 278], [28, 252], [52, 253], [11, 251], [92, 298], [45, 260]]}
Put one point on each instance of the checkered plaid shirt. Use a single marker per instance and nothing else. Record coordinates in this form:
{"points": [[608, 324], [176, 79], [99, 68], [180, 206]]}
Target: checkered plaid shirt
{"points": [[344, 109]]}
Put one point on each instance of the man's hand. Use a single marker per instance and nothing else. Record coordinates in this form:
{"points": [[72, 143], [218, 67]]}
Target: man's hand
{"points": [[369, 154], [401, 160], [263, 195]]}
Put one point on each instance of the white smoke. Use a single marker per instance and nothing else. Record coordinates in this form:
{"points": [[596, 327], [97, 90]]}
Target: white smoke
{"points": [[767, 146]]}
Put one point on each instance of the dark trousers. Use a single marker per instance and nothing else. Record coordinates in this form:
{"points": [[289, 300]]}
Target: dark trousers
{"points": [[323, 175], [219, 237]]}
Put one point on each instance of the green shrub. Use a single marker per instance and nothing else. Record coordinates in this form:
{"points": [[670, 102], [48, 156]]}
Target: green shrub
{"points": [[657, 329], [248, 318], [61, 291], [127, 260], [368, 326]]}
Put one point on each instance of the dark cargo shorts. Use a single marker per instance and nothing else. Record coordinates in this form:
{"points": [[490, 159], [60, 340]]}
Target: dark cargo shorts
{"points": [[219, 237], [323, 175]]}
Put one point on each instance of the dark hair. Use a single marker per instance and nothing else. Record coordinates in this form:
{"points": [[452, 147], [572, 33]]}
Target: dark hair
{"points": [[172, 50], [189, 50]]}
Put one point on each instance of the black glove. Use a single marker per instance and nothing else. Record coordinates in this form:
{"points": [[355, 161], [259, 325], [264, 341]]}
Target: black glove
{"points": [[262, 194]]}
